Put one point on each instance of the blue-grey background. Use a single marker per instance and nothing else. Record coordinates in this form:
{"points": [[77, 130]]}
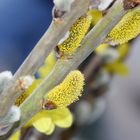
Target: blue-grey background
{"points": [[23, 22]]}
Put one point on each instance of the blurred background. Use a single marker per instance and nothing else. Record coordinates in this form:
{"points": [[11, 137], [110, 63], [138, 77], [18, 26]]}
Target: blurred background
{"points": [[22, 23]]}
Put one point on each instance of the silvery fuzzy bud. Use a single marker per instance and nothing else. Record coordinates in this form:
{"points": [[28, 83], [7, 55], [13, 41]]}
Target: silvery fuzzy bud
{"points": [[61, 7], [109, 55], [88, 113], [104, 4], [94, 4], [102, 79], [12, 116], [97, 110], [5, 77], [83, 111], [25, 82]]}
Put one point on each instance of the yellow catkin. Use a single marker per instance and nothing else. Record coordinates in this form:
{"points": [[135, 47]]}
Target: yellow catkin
{"points": [[48, 65], [24, 95], [21, 99], [96, 16], [76, 34], [68, 91], [127, 29]]}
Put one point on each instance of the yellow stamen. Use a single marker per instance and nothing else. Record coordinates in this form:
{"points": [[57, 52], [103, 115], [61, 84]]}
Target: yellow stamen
{"points": [[77, 33], [127, 29], [68, 91]]}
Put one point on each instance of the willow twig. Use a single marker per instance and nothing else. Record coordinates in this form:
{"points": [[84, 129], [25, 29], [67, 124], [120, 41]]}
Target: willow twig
{"points": [[35, 59], [92, 40]]}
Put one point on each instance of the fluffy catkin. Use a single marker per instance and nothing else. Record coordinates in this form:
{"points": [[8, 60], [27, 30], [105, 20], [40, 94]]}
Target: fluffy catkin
{"points": [[76, 34], [127, 29], [68, 91]]}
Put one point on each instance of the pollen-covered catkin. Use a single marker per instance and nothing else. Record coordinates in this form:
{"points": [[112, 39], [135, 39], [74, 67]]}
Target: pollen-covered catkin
{"points": [[21, 99], [29, 91], [127, 29], [68, 91], [76, 34]]}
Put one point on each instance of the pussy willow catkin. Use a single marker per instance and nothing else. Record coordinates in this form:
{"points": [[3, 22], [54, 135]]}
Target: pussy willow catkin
{"points": [[68, 91], [127, 29], [24, 95], [76, 34]]}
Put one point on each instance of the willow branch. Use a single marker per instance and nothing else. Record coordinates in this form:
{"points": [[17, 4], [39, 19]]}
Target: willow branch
{"points": [[35, 59], [93, 39]]}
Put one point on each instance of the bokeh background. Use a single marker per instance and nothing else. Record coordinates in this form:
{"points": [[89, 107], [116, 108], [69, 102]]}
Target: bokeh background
{"points": [[23, 22]]}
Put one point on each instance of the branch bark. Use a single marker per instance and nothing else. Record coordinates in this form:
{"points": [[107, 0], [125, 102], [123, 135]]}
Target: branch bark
{"points": [[36, 58], [93, 39]]}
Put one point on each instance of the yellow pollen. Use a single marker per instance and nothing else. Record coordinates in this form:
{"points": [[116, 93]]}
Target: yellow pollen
{"points": [[127, 29], [77, 33], [29, 91], [68, 91], [21, 99]]}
